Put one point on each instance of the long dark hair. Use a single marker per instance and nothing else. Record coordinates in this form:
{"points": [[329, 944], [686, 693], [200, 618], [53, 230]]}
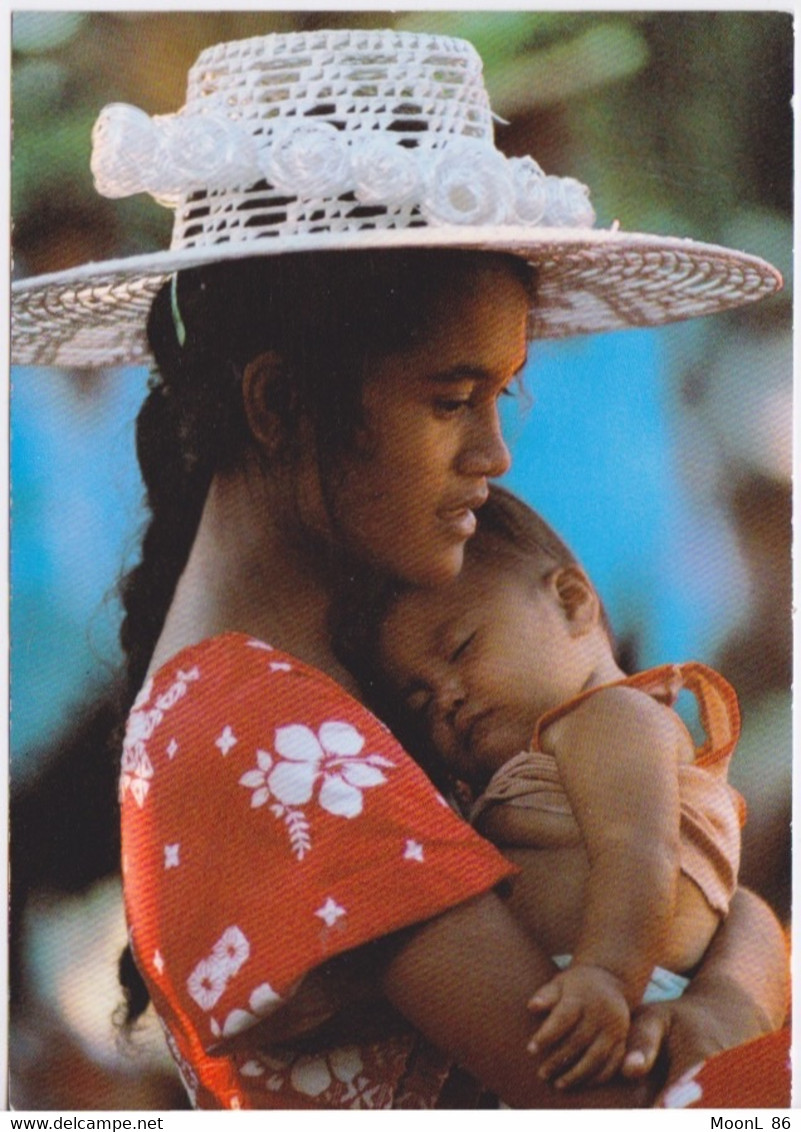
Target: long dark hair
{"points": [[326, 315]]}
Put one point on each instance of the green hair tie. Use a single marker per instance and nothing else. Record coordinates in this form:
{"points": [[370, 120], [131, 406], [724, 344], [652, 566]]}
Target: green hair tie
{"points": [[177, 321]]}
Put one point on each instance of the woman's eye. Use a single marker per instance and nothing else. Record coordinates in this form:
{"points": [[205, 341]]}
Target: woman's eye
{"points": [[449, 406]]}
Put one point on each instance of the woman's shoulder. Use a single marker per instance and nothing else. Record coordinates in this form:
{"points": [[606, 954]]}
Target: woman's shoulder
{"points": [[234, 662], [235, 655], [234, 685], [233, 694]]}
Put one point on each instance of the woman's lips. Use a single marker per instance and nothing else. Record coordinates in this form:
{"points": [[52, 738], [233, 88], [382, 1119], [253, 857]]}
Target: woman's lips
{"points": [[460, 520], [461, 517]]}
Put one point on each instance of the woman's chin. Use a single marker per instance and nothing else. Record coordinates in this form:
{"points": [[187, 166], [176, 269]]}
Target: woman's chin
{"points": [[422, 565], [436, 571]]}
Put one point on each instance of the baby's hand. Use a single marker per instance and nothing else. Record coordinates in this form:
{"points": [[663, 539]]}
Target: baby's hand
{"points": [[583, 1039]]}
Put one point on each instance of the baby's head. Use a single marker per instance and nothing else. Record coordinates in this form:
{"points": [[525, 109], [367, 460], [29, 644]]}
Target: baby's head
{"points": [[477, 661]]}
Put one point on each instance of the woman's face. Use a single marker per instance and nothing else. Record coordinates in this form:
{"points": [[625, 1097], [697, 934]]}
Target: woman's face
{"points": [[432, 438]]}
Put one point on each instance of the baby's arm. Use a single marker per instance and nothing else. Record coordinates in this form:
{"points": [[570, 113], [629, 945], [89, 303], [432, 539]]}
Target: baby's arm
{"points": [[618, 755], [508, 825]]}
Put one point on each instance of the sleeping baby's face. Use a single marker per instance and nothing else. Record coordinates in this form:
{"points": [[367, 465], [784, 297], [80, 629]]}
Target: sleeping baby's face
{"points": [[476, 662]]}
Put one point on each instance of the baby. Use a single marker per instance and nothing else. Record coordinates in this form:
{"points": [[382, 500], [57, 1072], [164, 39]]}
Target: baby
{"points": [[627, 834]]}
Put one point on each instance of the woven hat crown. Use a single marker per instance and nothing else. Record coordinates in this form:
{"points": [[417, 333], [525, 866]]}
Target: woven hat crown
{"points": [[330, 130], [355, 141]]}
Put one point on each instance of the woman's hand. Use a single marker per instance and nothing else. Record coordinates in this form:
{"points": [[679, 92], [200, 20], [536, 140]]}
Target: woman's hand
{"points": [[740, 993], [678, 1036]]}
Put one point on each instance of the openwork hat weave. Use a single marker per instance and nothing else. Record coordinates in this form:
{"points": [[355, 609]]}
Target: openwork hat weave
{"points": [[355, 140]]}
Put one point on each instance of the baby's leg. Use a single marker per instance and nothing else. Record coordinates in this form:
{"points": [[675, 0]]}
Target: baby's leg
{"points": [[694, 924]]}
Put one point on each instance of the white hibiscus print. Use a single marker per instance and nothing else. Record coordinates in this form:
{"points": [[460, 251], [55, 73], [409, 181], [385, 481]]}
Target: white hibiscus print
{"points": [[263, 1001], [207, 982], [328, 760], [231, 950], [137, 770], [314, 1075], [684, 1091], [256, 780], [210, 977]]}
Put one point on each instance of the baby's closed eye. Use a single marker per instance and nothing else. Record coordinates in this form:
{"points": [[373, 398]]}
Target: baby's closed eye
{"points": [[417, 700], [462, 647]]}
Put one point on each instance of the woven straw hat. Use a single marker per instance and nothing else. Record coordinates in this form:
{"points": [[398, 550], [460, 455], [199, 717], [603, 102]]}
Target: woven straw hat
{"points": [[355, 140]]}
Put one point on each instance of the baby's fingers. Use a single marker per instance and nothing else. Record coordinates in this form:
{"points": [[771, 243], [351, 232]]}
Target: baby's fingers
{"points": [[546, 997], [563, 1055], [556, 1026]]}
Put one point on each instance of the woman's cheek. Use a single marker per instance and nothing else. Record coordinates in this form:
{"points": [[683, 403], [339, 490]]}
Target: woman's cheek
{"points": [[427, 558]]}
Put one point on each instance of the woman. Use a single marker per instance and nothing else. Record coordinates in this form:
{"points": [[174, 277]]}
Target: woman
{"points": [[310, 919]]}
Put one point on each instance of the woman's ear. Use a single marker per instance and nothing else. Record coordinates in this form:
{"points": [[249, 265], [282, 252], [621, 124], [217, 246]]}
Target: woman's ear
{"points": [[577, 598], [263, 386]]}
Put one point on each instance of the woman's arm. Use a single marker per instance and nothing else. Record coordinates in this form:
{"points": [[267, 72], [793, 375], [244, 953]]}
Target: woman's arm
{"points": [[464, 979], [740, 992]]}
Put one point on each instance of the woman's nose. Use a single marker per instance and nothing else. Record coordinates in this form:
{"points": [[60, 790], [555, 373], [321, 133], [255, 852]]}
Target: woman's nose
{"points": [[485, 452]]}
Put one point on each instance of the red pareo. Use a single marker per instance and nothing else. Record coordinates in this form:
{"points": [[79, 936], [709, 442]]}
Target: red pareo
{"points": [[269, 823]]}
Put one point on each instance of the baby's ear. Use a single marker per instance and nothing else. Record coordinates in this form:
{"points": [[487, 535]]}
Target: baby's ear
{"points": [[577, 597]]}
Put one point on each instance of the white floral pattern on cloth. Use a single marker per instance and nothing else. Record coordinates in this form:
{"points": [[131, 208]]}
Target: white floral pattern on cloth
{"points": [[330, 912], [684, 1091], [212, 974], [227, 922], [263, 1001], [466, 181], [338, 1078], [185, 1071], [137, 769], [330, 759]]}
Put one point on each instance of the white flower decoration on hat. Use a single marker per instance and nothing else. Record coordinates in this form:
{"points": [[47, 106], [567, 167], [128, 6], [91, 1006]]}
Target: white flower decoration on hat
{"points": [[568, 204], [308, 160], [464, 182], [169, 154], [468, 184], [123, 150], [207, 150], [384, 173], [467, 195], [530, 189]]}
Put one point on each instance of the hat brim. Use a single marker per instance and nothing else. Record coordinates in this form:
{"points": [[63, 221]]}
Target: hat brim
{"points": [[588, 281]]}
